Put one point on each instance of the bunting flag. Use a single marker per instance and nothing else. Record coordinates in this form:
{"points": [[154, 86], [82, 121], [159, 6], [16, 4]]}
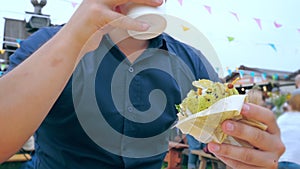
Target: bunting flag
{"points": [[241, 73], [2, 51], [208, 8], [273, 46], [185, 28], [264, 76], [277, 25], [258, 21], [180, 2], [230, 38], [229, 71], [236, 16], [18, 40], [3, 66], [252, 74], [74, 4], [275, 77]]}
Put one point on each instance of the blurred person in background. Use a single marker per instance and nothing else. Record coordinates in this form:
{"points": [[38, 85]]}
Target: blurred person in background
{"points": [[290, 133], [255, 96], [297, 81], [193, 145]]}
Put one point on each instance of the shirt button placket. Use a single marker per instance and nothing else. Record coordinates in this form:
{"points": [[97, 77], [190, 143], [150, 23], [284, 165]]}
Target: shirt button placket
{"points": [[130, 108]]}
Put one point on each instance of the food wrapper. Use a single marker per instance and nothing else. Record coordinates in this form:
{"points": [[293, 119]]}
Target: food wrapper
{"points": [[205, 126]]}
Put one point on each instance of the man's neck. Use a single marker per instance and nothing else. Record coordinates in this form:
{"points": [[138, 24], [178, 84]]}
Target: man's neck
{"points": [[132, 48]]}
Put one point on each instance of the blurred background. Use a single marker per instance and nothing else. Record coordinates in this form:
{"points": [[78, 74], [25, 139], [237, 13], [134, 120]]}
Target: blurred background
{"points": [[256, 41]]}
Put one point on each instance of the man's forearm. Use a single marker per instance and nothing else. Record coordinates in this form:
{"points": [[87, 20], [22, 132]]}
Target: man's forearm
{"points": [[30, 90]]}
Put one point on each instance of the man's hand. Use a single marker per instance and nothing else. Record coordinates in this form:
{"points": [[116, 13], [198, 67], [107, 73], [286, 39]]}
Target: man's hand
{"points": [[268, 145], [94, 18]]}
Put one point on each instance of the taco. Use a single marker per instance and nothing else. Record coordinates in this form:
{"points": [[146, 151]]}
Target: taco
{"points": [[203, 110]]}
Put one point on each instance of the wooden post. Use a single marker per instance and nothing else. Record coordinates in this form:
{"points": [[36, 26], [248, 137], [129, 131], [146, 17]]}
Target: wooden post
{"points": [[174, 156]]}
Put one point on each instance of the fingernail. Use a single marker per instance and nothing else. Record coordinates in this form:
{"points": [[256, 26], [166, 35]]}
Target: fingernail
{"points": [[246, 107], [214, 147], [157, 1], [145, 26], [229, 126]]}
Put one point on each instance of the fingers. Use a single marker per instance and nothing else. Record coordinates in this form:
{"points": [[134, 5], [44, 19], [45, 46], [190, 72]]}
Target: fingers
{"points": [[148, 2], [256, 137], [268, 144], [112, 3], [108, 16], [264, 140], [261, 114], [98, 16], [242, 158], [120, 21]]}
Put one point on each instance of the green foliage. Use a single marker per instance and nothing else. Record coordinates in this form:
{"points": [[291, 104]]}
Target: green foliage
{"points": [[279, 100]]}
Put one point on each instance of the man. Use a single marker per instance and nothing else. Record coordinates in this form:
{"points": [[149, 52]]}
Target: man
{"points": [[297, 81], [289, 125], [193, 145], [116, 109]]}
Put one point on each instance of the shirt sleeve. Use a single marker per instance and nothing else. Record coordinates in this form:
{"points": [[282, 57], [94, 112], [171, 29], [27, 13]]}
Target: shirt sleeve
{"points": [[205, 70], [194, 58], [30, 45]]}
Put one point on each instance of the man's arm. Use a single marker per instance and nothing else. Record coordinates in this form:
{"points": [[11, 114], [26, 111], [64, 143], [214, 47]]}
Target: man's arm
{"points": [[29, 91]]}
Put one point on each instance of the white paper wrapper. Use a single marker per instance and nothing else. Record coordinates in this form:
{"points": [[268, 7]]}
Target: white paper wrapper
{"points": [[205, 126]]}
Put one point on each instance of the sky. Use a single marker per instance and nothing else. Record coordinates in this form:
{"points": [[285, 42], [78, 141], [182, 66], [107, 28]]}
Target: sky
{"points": [[262, 34]]}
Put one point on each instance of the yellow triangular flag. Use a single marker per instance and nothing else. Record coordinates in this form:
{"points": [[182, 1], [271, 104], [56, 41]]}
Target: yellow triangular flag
{"points": [[185, 28], [2, 51]]}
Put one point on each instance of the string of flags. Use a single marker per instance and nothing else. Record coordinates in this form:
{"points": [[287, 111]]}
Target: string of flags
{"points": [[272, 45], [258, 21], [276, 24], [209, 9], [253, 74]]}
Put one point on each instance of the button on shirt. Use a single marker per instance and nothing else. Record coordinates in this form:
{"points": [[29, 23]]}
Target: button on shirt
{"points": [[130, 69], [114, 113]]}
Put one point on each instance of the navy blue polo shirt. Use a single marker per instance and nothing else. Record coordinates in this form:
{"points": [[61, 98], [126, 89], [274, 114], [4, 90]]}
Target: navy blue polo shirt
{"points": [[113, 113]]}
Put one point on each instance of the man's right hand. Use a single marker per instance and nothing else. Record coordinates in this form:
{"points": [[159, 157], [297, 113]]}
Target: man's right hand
{"points": [[95, 15]]}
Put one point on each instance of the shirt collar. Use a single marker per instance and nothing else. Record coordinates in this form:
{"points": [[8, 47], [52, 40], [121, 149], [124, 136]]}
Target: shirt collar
{"points": [[157, 42]]}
